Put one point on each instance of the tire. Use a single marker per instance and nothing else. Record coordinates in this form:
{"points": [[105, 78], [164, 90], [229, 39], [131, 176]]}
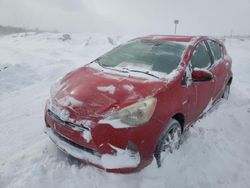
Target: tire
{"points": [[226, 92], [169, 141]]}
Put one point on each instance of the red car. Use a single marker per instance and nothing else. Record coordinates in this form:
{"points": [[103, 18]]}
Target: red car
{"points": [[133, 103]]}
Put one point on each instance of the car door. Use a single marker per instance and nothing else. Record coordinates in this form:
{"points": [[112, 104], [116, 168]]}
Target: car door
{"points": [[219, 67], [200, 92]]}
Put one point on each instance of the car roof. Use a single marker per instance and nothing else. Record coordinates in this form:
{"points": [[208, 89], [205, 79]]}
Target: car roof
{"points": [[175, 38]]}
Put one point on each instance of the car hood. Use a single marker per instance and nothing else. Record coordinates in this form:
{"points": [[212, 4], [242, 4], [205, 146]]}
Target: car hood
{"points": [[90, 92]]}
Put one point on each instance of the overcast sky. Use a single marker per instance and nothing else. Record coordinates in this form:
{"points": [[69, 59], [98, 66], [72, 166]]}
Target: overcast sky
{"points": [[204, 17]]}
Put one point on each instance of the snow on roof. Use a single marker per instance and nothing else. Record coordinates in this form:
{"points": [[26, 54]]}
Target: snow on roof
{"points": [[176, 38]]}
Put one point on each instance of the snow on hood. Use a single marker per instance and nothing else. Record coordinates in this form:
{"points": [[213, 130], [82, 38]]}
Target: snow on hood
{"points": [[109, 88], [91, 92]]}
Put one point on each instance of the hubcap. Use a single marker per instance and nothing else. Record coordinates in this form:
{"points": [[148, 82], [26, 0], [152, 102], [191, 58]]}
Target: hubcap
{"points": [[171, 142]]}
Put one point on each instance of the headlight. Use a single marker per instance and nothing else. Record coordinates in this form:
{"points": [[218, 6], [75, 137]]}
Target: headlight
{"points": [[135, 114]]}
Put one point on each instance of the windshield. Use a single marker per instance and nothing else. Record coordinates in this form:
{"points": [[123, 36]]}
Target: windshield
{"points": [[155, 55]]}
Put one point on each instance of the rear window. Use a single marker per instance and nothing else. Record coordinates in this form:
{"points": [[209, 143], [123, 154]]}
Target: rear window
{"points": [[156, 55], [216, 50]]}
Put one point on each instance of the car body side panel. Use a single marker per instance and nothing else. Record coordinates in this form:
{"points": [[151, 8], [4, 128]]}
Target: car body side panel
{"points": [[172, 101]]}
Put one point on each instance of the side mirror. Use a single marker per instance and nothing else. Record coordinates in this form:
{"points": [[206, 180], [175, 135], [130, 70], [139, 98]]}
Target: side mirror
{"points": [[201, 75]]}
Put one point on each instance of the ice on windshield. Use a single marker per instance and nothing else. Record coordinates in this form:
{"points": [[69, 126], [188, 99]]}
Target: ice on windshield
{"points": [[145, 55]]}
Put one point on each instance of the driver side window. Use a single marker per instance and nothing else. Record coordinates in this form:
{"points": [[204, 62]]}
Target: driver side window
{"points": [[200, 57]]}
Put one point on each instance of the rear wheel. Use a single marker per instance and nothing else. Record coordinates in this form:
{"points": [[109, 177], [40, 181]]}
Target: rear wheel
{"points": [[170, 141], [226, 92]]}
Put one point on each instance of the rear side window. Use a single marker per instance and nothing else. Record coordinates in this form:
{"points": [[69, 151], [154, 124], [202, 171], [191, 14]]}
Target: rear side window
{"points": [[216, 49], [200, 58]]}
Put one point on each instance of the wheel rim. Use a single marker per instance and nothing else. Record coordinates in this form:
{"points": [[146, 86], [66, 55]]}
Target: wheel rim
{"points": [[170, 143]]}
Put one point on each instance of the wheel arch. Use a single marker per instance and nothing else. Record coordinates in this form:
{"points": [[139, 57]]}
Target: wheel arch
{"points": [[180, 118]]}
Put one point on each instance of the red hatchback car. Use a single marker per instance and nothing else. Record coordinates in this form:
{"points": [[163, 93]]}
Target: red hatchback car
{"points": [[133, 103]]}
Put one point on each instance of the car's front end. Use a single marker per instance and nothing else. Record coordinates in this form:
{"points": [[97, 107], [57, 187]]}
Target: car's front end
{"points": [[106, 122], [108, 144]]}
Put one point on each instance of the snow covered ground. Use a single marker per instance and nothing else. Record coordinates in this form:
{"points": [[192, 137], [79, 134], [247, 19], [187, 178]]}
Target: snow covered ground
{"points": [[215, 152]]}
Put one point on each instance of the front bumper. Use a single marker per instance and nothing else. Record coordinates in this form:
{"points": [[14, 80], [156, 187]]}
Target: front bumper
{"points": [[123, 150], [123, 159]]}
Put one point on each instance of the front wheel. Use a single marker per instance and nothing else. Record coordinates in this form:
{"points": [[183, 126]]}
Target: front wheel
{"points": [[169, 141]]}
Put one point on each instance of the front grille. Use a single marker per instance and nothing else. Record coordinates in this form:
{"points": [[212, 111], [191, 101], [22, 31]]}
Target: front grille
{"points": [[66, 123], [77, 145]]}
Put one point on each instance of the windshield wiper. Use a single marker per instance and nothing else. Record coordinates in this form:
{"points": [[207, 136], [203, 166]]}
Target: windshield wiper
{"points": [[109, 67], [145, 72], [124, 69]]}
